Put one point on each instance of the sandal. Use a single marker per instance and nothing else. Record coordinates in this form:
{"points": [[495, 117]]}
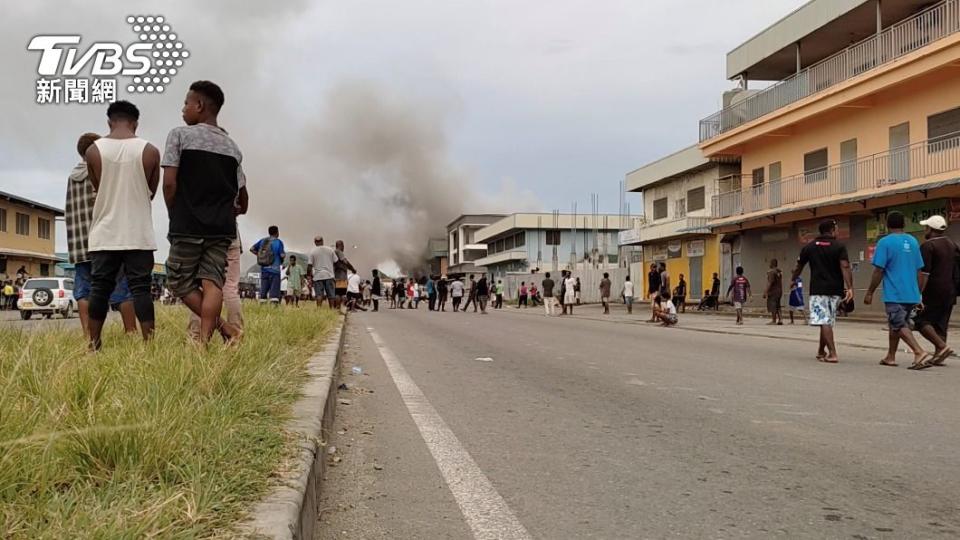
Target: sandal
{"points": [[827, 360], [923, 363], [939, 359], [888, 364]]}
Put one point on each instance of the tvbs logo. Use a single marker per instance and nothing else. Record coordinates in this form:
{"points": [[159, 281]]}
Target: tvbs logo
{"points": [[108, 58], [150, 63]]}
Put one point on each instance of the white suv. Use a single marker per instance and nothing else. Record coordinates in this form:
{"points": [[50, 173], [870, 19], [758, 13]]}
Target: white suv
{"points": [[46, 296]]}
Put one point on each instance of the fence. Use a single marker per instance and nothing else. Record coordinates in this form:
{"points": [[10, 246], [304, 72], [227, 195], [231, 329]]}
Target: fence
{"points": [[919, 160]]}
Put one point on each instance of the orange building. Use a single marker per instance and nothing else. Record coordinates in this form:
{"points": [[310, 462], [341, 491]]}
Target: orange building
{"points": [[864, 118], [27, 237]]}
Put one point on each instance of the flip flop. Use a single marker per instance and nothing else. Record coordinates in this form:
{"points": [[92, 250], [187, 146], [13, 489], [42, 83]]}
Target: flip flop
{"points": [[889, 364], [821, 357], [923, 363], [939, 359], [826, 360]]}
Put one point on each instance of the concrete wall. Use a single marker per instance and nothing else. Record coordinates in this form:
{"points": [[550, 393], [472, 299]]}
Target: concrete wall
{"points": [[681, 265], [589, 283], [677, 189]]}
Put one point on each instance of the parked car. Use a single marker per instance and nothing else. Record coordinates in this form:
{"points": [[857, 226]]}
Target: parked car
{"points": [[46, 296]]}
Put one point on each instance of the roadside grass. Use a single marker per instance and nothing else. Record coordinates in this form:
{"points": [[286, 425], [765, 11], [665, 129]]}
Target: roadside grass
{"points": [[147, 440]]}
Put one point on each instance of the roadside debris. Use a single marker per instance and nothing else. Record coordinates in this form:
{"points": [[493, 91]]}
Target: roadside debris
{"points": [[484, 359], [343, 401], [357, 370]]}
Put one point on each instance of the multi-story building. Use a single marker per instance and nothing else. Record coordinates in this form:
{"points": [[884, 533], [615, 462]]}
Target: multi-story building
{"points": [[550, 242], [464, 249], [438, 253], [864, 118], [27, 236], [678, 192]]}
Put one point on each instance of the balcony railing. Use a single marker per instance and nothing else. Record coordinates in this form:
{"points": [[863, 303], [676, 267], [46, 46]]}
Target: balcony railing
{"points": [[906, 36], [920, 160]]}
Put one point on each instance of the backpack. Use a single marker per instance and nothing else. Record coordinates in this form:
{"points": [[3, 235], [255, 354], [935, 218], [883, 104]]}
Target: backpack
{"points": [[265, 254]]}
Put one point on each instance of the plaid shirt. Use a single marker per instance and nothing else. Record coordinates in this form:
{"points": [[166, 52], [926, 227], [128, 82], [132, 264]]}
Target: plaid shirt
{"points": [[79, 213]]}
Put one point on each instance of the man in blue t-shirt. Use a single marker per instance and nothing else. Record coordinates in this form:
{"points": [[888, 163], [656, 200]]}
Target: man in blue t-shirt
{"points": [[270, 274], [897, 263]]}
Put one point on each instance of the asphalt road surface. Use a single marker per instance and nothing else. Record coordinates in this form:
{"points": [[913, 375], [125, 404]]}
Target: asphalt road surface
{"points": [[511, 425]]}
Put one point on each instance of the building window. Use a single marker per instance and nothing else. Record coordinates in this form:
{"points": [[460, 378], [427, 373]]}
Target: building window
{"points": [[508, 242], [553, 238], [23, 224], [3, 265], [44, 269], [3, 220], [660, 208], [696, 199], [758, 176], [521, 239], [500, 245], [815, 165], [775, 171], [43, 228], [943, 130]]}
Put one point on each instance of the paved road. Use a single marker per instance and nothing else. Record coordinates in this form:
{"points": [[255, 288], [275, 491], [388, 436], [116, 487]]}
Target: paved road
{"points": [[581, 428]]}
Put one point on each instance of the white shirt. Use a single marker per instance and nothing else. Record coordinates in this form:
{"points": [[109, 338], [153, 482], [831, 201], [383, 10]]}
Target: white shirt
{"points": [[669, 308], [628, 288], [122, 219], [353, 283], [456, 289], [416, 290]]}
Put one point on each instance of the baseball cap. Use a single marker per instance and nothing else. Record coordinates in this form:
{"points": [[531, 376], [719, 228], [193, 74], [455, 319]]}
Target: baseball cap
{"points": [[935, 222]]}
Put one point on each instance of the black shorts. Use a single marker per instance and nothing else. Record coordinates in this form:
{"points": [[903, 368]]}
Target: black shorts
{"points": [[936, 316]]}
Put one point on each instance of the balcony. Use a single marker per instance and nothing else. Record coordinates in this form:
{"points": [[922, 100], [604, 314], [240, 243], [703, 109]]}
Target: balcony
{"points": [[853, 180], [898, 40], [660, 230]]}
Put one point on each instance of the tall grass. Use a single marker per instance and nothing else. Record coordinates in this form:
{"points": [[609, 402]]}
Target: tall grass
{"points": [[158, 439]]}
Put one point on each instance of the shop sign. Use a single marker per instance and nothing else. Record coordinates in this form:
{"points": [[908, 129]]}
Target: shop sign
{"points": [[696, 248]]}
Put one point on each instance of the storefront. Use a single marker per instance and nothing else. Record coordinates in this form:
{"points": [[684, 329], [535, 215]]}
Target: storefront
{"points": [[697, 258]]}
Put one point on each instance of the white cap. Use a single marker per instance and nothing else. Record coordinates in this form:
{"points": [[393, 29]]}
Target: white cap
{"points": [[935, 222]]}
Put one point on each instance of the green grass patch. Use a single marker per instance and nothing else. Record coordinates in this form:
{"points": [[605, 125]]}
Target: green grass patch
{"points": [[147, 439]]}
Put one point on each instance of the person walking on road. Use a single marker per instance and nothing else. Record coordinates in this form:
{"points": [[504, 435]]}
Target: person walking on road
{"points": [[471, 295], [498, 290], [456, 293], [628, 292], [576, 290], [340, 269], [774, 293], [522, 296], [605, 292], [320, 269], [376, 290], [483, 294], [897, 263], [830, 281], [937, 286], [739, 291], [548, 301], [715, 292], [796, 298], [431, 294], [443, 290]]}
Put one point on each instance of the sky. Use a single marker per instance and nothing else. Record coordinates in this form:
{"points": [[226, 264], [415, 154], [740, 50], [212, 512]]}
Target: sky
{"points": [[380, 121]]}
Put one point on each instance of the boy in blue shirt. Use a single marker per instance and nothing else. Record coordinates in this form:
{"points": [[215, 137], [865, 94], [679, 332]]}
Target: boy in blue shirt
{"points": [[897, 263]]}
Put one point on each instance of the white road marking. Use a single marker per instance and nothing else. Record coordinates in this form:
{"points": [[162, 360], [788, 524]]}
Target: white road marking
{"points": [[484, 359], [636, 382], [484, 510]]}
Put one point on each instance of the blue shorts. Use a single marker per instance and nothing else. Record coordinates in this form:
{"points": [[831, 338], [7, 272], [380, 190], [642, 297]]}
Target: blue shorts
{"points": [[324, 288], [898, 315], [81, 285]]}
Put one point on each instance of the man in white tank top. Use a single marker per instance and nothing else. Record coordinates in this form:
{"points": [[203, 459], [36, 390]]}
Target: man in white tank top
{"points": [[125, 171]]}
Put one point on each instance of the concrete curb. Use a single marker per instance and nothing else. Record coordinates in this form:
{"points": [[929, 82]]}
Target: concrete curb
{"points": [[290, 511]]}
